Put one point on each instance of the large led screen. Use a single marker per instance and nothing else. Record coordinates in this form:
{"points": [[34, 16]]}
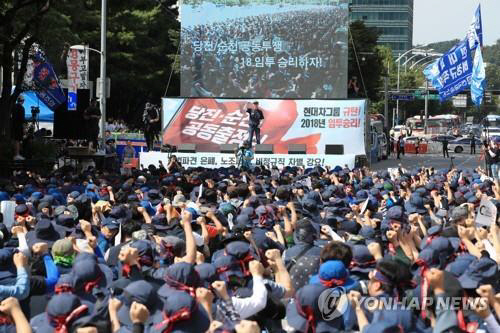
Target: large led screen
{"points": [[264, 48]]}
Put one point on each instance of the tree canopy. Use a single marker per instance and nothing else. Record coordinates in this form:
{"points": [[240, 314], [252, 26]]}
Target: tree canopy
{"points": [[142, 43]]}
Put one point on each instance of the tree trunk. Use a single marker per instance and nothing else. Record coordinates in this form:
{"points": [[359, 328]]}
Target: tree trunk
{"points": [[6, 98]]}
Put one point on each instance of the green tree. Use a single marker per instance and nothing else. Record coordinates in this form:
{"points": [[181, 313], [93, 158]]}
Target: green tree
{"points": [[20, 23], [142, 43], [491, 54], [493, 76], [442, 47], [364, 60]]}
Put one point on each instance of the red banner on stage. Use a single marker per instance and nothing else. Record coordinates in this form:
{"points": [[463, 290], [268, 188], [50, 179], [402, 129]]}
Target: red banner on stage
{"points": [[212, 122]]}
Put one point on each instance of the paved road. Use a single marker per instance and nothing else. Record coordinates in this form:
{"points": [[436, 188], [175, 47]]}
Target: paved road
{"points": [[437, 161]]}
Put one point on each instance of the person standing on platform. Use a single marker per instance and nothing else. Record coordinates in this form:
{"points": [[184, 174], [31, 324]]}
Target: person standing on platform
{"points": [[151, 121], [92, 115], [256, 118], [17, 127]]}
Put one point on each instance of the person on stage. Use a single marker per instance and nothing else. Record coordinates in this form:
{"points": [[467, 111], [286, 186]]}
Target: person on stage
{"points": [[256, 117], [92, 115], [151, 122]]}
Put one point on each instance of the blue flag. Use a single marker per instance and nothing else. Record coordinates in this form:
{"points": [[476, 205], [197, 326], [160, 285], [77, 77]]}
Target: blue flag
{"points": [[478, 78], [451, 73], [475, 31], [46, 82]]}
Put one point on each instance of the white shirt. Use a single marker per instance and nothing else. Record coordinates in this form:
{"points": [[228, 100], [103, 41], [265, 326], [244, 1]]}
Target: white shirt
{"points": [[247, 307], [492, 323]]}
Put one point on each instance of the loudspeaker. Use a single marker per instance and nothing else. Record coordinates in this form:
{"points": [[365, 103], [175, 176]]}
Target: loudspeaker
{"points": [[187, 148], [334, 149], [297, 149], [70, 124], [264, 149], [166, 148], [228, 148]]}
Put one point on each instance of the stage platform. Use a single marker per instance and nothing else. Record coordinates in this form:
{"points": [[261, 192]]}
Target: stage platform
{"points": [[217, 160]]}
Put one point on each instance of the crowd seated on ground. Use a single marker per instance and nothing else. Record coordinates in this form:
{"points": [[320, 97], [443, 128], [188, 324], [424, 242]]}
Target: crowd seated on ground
{"points": [[220, 250]]}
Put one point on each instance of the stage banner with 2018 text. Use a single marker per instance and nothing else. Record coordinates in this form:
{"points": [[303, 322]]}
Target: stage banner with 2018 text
{"points": [[315, 123]]}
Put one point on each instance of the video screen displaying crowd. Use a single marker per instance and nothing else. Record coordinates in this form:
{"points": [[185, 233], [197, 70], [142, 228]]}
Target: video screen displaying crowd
{"points": [[320, 35], [170, 249]]}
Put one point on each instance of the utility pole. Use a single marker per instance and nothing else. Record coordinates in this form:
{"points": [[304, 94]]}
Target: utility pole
{"points": [[386, 114], [386, 103], [102, 100], [426, 105], [397, 101]]}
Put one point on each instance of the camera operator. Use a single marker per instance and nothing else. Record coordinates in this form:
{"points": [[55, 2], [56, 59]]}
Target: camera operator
{"points": [[151, 122], [244, 156], [92, 115], [17, 127], [174, 165], [492, 158]]}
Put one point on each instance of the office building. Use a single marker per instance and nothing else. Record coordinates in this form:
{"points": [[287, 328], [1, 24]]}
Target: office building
{"points": [[393, 18]]}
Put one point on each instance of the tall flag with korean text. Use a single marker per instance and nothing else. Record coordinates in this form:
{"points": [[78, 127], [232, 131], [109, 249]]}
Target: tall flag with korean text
{"points": [[478, 78], [475, 31], [451, 73], [46, 82]]}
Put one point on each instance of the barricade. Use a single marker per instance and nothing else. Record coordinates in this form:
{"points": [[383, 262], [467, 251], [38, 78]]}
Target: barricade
{"points": [[410, 148]]}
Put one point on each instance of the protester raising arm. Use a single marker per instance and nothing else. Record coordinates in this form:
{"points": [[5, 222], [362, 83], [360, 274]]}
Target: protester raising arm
{"points": [[289, 227], [220, 228], [355, 299], [249, 306], [19, 231], [10, 306], [466, 236], [114, 305], [139, 314], [281, 274], [293, 213], [145, 215], [42, 250], [205, 298], [279, 234], [190, 256], [21, 289], [111, 194], [494, 239]]}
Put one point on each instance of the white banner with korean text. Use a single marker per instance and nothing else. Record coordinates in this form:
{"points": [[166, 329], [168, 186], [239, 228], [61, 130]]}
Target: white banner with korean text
{"points": [[219, 160], [77, 63]]}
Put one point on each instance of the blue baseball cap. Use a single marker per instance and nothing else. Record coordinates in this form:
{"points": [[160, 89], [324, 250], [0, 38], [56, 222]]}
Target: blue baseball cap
{"points": [[333, 273]]}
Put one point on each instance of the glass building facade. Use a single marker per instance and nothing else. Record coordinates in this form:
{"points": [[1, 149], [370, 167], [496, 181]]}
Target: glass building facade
{"points": [[393, 18]]}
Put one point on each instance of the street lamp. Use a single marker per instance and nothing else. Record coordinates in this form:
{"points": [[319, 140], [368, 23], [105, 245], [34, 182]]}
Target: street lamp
{"points": [[102, 52], [83, 48], [416, 54], [398, 60]]}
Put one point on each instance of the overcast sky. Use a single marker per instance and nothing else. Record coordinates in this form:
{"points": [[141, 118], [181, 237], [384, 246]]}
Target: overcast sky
{"points": [[440, 20]]}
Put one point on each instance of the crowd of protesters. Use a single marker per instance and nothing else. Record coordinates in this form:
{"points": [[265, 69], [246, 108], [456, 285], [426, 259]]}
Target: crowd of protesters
{"points": [[197, 250], [312, 33]]}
